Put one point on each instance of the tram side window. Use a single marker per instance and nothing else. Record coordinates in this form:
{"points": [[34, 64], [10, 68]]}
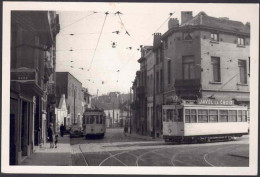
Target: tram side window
{"points": [[213, 115], [223, 115], [97, 119], [187, 115], [202, 116], [232, 115], [244, 116], [100, 119], [190, 116], [239, 115]]}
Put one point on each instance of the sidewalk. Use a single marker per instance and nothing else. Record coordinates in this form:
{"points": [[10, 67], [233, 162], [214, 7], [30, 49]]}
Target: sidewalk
{"points": [[60, 156], [134, 135]]}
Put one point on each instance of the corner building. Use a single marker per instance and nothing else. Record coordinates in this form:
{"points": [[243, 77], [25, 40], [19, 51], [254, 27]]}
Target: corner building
{"points": [[207, 58]]}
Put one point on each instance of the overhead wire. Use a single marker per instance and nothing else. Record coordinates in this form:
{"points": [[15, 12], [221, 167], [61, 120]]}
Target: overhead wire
{"points": [[98, 40], [79, 20], [160, 26]]}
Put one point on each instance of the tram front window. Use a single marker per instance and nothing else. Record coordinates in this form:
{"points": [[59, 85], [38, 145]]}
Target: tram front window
{"points": [[91, 119]]}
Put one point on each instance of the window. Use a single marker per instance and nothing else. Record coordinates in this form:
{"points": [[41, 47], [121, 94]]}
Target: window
{"points": [[202, 116], [214, 37], [223, 115], [239, 116], [240, 41], [190, 115], [169, 115], [91, 119], [242, 71], [232, 115], [215, 61], [100, 119], [187, 36], [244, 116], [169, 71], [188, 67], [97, 119], [213, 115]]}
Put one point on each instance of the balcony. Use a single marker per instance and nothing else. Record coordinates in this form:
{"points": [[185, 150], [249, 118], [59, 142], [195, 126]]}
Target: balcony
{"points": [[140, 91]]}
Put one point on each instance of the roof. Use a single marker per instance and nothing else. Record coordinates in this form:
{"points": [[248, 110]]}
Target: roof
{"points": [[224, 23], [203, 20]]}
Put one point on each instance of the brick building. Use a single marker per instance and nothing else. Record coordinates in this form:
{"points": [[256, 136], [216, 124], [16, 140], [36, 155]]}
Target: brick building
{"points": [[33, 46]]}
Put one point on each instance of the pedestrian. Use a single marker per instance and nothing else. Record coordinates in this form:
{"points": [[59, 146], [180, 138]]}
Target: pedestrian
{"points": [[50, 135], [56, 140], [62, 130]]}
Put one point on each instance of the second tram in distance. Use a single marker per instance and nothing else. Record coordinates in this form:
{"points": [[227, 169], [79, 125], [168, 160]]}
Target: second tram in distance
{"points": [[94, 123]]}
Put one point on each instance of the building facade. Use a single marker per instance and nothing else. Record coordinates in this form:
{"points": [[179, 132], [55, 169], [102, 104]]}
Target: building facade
{"points": [[201, 58], [209, 58], [67, 84], [33, 46]]}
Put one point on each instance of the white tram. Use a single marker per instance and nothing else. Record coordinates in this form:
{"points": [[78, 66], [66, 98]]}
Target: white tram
{"points": [[201, 123], [94, 123]]}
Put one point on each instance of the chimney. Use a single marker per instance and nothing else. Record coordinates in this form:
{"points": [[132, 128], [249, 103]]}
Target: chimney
{"points": [[173, 22], [156, 39], [186, 16]]}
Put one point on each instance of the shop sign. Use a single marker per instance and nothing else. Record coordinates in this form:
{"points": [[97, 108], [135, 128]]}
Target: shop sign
{"points": [[23, 75], [216, 102]]}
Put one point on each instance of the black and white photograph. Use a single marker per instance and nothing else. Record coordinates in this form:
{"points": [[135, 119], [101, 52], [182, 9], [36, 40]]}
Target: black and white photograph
{"points": [[130, 88]]}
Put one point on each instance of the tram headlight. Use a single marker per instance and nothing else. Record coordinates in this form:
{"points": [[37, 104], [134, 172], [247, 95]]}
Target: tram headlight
{"points": [[169, 130]]}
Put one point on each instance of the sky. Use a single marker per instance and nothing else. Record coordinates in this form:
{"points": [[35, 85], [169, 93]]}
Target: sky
{"points": [[102, 68]]}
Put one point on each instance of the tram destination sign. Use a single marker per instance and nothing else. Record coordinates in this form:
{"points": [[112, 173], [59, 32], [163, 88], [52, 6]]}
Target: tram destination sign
{"points": [[216, 102]]}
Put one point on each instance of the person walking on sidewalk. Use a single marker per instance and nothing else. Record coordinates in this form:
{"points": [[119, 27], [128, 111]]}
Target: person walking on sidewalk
{"points": [[62, 130], [50, 135]]}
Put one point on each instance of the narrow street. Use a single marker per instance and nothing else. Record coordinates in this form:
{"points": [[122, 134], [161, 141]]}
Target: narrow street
{"points": [[119, 150]]}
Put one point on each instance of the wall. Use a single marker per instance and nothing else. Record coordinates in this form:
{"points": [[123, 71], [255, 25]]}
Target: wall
{"points": [[229, 53]]}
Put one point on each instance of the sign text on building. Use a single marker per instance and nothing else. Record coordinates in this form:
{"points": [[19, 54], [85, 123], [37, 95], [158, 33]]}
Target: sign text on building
{"points": [[216, 102]]}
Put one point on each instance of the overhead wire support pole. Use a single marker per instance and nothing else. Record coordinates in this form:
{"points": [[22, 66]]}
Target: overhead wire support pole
{"points": [[98, 40]]}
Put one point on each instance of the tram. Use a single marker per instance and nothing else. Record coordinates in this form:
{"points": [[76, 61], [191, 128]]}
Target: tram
{"points": [[94, 123], [193, 122]]}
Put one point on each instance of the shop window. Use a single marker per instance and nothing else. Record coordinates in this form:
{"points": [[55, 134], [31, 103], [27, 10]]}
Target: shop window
{"points": [[223, 115], [213, 115], [202, 116], [215, 61], [188, 67], [214, 37], [242, 71]]}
